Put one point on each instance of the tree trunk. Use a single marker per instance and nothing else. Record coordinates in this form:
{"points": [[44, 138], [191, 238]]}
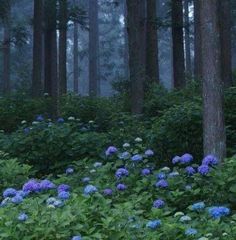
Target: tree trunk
{"points": [[7, 49], [197, 42], [63, 47], [126, 44], [37, 87], [188, 64], [93, 48], [76, 56], [225, 33], [135, 62], [152, 67], [213, 116], [178, 43]]}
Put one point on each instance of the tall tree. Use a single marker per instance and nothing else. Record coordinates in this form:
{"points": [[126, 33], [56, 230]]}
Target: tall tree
{"points": [[6, 47], [62, 46], [188, 63], [197, 41], [126, 44], [93, 48], [226, 46], [135, 61], [178, 43], [76, 55], [37, 48], [152, 66], [213, 116]]}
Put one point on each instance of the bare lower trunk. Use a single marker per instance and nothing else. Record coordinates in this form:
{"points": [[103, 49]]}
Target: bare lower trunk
{"points": [[76, 58]]}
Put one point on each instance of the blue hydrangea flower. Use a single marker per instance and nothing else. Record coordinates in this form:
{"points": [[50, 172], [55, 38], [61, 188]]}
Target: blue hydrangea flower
{"points": [[185, 218], [64, 195], [107, 192], [161, 175], [190, 232], [9, 192], [145, 172], [23, 193], [22, 217], [31, 186], [176, 159], [137, 158], [89, 189], [17, 199], [190, 170], [203, 169], [122, 172], [124, 155], [153, 224], [198, 206], [218, 212], [186, 158], [159, 203], [63, 187], [46, 185], [39, 118], [97, 164], [85, 179], [58, 203], [77, 238], [149, 153], [51, 200], [162, 184], [69, 170], [173, 174], [60, 120], [27, 130], [121, 187], [210, 160], [111, 151]]}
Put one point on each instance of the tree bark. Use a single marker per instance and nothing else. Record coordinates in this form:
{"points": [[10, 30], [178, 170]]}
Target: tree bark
{"points": [[178, 44], [93, 48], [226, 46], [126, 44], [135, 62], [7, 49], [152, 65], [188, 64], [63, 47], [214, 138], [37, 87], [197, 42]]}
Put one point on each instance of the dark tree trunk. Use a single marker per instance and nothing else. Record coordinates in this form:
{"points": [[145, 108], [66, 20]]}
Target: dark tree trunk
{"points": [[225, 33], [37, 87], [197, 42], [7, 48], [152, 66], [93, 48], [62, 46], [135, 62], [188, 64], [178, 44], [76, 56], [126, 44], [213, 116]]}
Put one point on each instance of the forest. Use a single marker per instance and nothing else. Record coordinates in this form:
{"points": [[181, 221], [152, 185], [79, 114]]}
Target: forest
{"points": [[117, 119]]}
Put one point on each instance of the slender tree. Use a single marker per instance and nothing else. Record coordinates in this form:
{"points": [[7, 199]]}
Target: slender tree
{"points": [[126, 44], [188, 63], [93, 48], [6, 47], [135, 61], [226, 46], [213, 116], [37, 49], [178, 43], [197, 41], [152, 66], [62, 46]]}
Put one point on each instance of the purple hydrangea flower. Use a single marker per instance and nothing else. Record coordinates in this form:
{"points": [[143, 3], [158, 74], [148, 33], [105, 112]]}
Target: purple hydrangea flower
{"points": [[210, 160], [107, 192], [17, 199], [89, 189], [161, 176], [31, 186], [218, 212], [27, 130], [149, 153], [9, 192], [121, 187], [203, 169], [162, 184], [64, 195], [22, 217], [190, 170], [159, 203], [46, 185], [186, 158], [60, 120], [122, 172], [69, 170], [153, 224], [63, 188], [111, 151], [176, 159], [137, 158], [146, 172]]}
